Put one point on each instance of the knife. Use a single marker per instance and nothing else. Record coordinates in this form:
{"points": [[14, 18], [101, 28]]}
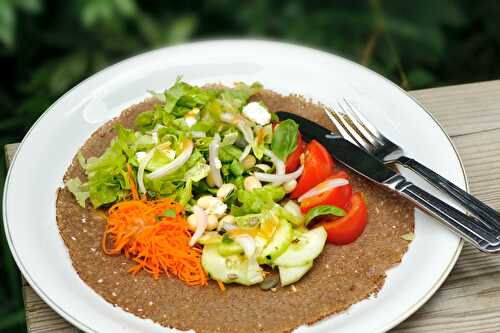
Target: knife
{"points": [[360, 161]]}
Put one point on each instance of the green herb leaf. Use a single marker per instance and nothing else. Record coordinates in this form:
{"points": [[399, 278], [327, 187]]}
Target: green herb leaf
{"points": [[323, 210], [285, 139]]}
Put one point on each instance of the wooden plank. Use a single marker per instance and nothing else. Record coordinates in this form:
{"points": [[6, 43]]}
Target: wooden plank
{"points": [[469, 300], [464, 109]]}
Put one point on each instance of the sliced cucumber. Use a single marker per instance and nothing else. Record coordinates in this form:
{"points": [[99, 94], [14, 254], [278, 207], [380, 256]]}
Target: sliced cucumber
{"points": [[289, 275], [278, 244], [228, 248], [303, 249], [210, 237], [231, 269], [260, 244]]}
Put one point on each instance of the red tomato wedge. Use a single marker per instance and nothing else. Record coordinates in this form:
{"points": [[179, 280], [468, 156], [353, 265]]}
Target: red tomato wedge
{"points": [[339, 196], [348, 228], [318, 166], [293, 160]]}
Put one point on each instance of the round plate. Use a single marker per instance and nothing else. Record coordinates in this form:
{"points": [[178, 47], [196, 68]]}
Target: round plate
{"points": [[50, 145]]}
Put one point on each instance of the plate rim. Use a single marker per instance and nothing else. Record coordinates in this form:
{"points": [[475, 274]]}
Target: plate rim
{"points": [[80, 325]]}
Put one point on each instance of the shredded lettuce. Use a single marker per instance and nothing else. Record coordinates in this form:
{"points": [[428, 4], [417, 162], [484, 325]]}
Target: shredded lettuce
{"points": [[257, 200], [159, 159], [164, 127], [79, 190], [197, 172], [229, 153]]}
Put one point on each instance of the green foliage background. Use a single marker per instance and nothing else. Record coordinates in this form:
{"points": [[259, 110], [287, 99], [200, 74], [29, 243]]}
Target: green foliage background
{"points": [[46, 47]]}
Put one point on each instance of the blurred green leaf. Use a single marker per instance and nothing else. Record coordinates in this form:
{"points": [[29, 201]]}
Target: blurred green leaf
{"points": [[125, 7], [32, 6], [180, 29], [12, 319], [67, 71], [419, 78], [7, 22]]}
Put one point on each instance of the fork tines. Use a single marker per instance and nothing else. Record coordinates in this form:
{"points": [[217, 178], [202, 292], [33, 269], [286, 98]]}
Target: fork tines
{"points": [[353, 126]]}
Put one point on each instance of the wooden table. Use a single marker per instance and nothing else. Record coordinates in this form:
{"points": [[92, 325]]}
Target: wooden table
{"points": [[469, 300]]}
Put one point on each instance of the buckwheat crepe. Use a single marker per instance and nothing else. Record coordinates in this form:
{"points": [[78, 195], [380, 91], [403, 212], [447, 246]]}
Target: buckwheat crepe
{"points": [[340, 277]]}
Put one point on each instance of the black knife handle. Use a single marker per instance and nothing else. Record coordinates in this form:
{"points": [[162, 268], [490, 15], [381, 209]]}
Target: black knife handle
{"points": [[475, 206], [466, 226]]}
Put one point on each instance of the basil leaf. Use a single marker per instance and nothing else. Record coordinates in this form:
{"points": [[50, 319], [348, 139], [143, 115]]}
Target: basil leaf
{"points": [[322, 210], [285, 139]]}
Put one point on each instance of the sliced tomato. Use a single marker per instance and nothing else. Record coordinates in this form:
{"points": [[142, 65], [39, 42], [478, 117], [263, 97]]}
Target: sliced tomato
{"points": [[339, 196], [348, 228], [293, 160], [318, 166]]}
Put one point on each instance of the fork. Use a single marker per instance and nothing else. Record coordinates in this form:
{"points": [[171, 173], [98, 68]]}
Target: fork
{"points": [[354, 126]]}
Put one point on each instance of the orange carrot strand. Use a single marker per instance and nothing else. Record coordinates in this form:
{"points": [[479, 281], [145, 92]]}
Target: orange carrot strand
{"points": [[157, 243]]}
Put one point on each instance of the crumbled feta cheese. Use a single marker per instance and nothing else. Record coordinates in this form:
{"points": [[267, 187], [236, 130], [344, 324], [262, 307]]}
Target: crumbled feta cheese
{"points": [[257, 113]]}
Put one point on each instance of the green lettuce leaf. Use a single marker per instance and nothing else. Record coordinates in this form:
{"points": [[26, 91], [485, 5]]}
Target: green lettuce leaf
{"points": [[185, 194], [229, 153], [107, 180], [159, 159], [199, 171], [79, 190], [258, 200], [126, 139]]}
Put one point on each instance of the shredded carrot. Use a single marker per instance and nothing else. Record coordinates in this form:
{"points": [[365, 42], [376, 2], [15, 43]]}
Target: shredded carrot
{"points": [[133, 187], [221, 285], [155, 235]]}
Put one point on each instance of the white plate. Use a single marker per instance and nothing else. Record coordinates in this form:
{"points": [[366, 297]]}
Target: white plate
{"points": [[46, 152]]}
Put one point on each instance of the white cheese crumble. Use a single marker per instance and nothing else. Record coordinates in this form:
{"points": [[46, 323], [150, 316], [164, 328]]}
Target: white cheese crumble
{"points": [[257, 113]]}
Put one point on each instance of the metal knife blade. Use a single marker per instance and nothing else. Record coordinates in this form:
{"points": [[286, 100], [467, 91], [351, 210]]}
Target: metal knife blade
{"points": [[342, 150]]}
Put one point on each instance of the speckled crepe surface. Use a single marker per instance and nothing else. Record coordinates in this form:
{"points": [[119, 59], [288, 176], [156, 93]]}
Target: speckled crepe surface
{"points": [[340, 277]]}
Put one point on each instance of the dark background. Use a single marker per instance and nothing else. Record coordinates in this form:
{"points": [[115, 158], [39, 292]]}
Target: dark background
{"points": [[46, 47]]}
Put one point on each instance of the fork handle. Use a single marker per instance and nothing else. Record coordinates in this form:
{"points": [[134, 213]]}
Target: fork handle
{"points": [[466, 226], [488, 216]]}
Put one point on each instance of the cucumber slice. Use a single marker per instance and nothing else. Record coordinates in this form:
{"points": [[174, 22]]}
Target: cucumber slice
{"points": [[289, 275], [229, 248], [231, 269], [303, 249], [210, 237], [260, 244], [278, 244]]}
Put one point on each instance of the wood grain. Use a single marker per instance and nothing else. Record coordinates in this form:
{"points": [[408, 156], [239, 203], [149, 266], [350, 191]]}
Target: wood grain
{"points": [[469, 300]]}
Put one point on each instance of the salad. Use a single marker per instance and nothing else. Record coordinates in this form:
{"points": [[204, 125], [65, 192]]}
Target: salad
{"points": [[210, 184]]}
